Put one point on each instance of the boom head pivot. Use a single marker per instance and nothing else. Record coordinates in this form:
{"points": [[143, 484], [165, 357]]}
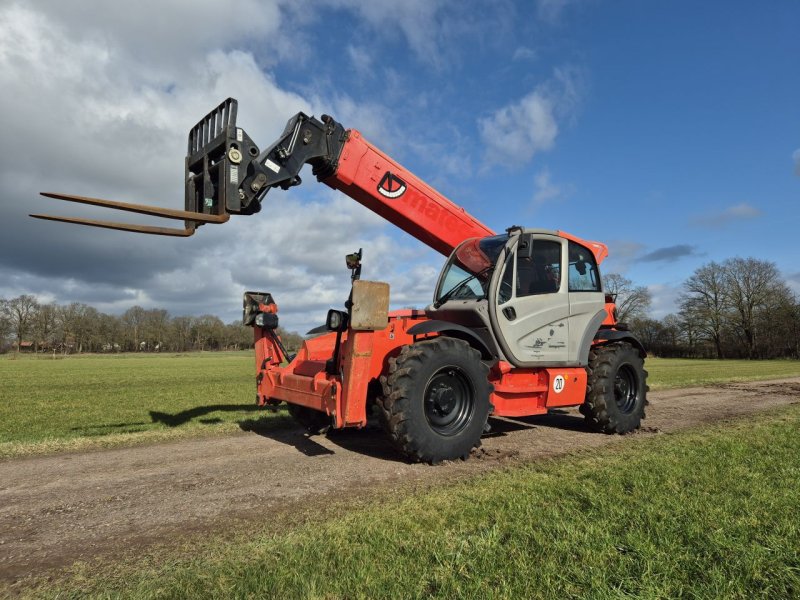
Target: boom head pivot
{"points": [[226, 173]]}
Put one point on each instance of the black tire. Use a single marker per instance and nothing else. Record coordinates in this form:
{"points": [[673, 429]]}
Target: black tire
{"points": [[435, 401], [616, 393], [313, 421]]}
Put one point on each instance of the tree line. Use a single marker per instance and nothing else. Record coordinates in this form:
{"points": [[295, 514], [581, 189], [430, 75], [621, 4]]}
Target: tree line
{"points": [[738, 308], [26, 324]]}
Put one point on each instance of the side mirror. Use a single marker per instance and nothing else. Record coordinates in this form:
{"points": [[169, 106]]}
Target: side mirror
{"points": [[525, 247], [336, 320]]}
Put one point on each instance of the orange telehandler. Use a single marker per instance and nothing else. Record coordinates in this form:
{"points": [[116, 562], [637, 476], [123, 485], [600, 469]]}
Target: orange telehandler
{"points": [[519, 322]]}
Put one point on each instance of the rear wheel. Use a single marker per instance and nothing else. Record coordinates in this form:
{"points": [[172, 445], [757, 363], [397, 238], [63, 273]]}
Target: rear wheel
{"points": [[616, 393], [435, 400], [314, 421]]}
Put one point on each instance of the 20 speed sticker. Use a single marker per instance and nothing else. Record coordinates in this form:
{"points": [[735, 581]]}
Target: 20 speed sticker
{"points": [[558, 384]]}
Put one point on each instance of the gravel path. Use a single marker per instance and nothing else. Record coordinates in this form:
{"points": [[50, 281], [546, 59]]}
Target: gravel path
{"points": [[57, 509]]}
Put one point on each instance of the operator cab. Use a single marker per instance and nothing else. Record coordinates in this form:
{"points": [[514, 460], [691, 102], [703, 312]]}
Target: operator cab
{"points": [[535, 294]]}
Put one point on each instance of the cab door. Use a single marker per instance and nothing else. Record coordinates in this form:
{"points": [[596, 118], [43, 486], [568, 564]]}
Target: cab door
{"points": [[587, 303], [529, 304]]}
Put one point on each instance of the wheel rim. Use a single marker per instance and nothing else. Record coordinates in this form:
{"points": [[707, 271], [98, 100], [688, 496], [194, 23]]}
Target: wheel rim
{"points": [[449, 401], [626, 388]]}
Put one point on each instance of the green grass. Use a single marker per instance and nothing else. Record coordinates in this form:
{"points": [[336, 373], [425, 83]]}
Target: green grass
{"points": [[687, 372], [82, 402], [85, 401], [705, 514]]}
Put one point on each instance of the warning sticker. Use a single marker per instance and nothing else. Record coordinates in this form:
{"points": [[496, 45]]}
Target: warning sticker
{"points": [[234, 174], [274, 167], [239, 135], [558, 384]]}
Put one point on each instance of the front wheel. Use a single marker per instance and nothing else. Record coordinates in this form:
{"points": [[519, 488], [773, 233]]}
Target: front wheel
{"points": [[435, 401], [616, 393]]}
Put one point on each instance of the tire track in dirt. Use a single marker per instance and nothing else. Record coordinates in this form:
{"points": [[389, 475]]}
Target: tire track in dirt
{"points": [[57, 509]]}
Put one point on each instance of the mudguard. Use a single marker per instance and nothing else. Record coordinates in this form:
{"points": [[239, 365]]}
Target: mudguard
{"points": [[456, 331], [615, 335]]}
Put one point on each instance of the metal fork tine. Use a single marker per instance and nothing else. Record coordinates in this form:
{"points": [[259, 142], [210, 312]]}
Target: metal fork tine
{"points": [[143, 209], [170, 231]]}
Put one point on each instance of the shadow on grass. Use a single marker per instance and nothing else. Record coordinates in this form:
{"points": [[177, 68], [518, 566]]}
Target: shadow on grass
{"points": [[173, 420], [183, 417]]}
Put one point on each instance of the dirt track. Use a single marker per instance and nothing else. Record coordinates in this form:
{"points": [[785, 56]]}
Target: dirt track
{"points": [[58, 509]]}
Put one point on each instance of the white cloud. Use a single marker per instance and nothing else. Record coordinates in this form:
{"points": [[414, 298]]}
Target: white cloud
{"points": [[361, 60], [550, 11], [524, 53], [546, 190], [514, 134], [793, 281], [665, 299], [417, 20], [91, 106]]}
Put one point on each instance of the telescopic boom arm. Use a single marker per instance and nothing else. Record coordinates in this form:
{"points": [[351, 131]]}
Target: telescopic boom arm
{"points": [[226, 173]]}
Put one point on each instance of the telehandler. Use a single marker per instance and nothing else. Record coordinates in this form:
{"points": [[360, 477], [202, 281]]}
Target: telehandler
{"points": [[519, 322]]}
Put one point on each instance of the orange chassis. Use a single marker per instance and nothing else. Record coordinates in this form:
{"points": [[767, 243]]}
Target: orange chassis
{"points": [[364, 356]]}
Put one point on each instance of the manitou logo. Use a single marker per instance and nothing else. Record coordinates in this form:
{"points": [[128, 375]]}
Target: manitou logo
{"points": [[391, 186]]}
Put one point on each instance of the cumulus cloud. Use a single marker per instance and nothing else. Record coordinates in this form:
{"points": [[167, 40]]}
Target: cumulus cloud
{"points": [[91, 106], [669, 253], [738, 212], [546, 190], [515, 133], [665, 299], [418, 21], [550, 11]]}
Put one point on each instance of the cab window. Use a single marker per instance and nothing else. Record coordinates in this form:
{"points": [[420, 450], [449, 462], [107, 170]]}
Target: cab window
{"points": [[583, 274], [541, 272]]}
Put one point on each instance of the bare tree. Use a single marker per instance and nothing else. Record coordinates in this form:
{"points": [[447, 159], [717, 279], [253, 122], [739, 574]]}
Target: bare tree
{"points": [[5, 324], [181, 333], [44, 324], [109, 333], [155, 324], [753, 287], [208, 332], [133, 320], [650, 332], [632, 301], [20, 312], [691, 332], [706, 302], [79, 326]]}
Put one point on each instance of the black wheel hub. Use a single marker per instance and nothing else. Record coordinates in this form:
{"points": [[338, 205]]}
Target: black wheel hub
{"points": [[449, 401], [626, 388]]}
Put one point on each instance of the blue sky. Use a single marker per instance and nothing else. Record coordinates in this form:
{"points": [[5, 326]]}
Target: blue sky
{"points": [[677, 148], [670, 131]]}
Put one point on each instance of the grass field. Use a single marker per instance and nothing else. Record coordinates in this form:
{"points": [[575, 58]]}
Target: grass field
{"points": [[706, 514], [88, 401]]}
